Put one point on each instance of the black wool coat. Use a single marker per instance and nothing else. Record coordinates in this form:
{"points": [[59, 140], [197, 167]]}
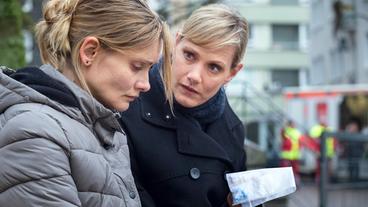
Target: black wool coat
{"points": [[176, 163]]}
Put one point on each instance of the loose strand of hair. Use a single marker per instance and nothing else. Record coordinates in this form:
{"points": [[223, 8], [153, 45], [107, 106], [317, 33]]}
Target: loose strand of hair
{"points": [[167, 42]]}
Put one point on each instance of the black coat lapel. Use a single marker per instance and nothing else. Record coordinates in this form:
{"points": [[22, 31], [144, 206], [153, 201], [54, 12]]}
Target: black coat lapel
{"points": [[193, 141]]}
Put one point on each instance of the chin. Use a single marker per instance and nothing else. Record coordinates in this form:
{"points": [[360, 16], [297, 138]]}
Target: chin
{"points": [[186, 102], [122, 107]]}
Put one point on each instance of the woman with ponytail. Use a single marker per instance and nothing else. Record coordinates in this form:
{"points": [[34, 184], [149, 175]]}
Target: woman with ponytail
{"points": [[60, 141]]}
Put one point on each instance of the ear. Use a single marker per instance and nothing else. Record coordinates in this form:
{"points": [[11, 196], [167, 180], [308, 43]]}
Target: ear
{"points": [[88, 50], [178, 38], [233, 72]]}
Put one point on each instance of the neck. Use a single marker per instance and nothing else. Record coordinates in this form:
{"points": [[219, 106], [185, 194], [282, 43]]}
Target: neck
{"points": [[208, 111], [67, 72]]}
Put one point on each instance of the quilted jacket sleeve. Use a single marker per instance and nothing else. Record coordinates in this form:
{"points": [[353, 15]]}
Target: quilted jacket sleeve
{"points": [[35, 169]]}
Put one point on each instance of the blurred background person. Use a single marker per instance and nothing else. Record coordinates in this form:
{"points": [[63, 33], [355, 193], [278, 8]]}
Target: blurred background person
{"points": [[290, 148], [354, 149], [316, 132]]}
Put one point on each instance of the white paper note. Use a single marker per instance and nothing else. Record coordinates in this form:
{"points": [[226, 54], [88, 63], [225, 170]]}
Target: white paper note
{"points": [[254, 187]]}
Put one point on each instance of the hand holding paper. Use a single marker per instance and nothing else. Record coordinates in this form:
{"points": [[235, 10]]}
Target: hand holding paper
{"points": [[252, 188]]}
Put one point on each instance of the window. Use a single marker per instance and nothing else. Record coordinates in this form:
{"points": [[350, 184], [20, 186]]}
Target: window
{"points": [[285, 78], [285, 36]]}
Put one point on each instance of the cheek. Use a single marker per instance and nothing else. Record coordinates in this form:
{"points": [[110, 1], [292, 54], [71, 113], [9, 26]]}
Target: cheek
{"points": [[211, 87], [181, 70], [177, 73], [123, 83], [179, 65]]}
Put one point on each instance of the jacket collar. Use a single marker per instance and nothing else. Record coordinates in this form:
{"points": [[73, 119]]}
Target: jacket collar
{"points": [[90, 112], [103, 120], [191, 140], [155, 108]]}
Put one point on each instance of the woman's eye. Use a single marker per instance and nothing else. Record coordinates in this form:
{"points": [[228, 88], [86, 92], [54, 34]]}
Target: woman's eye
{"points": [[188, 55], [215, 68], [137, 66]]}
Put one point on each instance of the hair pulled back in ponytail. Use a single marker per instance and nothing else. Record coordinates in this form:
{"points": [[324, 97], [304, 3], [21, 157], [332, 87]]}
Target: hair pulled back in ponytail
{"points": [[53, 32], [118, 24]]}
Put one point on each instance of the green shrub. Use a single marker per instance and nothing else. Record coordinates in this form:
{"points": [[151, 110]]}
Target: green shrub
{"points": [[12, 52]]}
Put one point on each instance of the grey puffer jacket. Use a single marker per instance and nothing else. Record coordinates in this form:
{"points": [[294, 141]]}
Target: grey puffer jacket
{"points": [[56, 155]]}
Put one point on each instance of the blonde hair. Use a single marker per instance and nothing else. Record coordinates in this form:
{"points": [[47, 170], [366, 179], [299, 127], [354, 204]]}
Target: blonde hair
{"points": [[216, 26], [118, 25]]}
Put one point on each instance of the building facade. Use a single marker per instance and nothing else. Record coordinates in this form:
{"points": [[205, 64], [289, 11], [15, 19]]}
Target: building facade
{"points": [[278, 43], [276, 57], [339, 45]]}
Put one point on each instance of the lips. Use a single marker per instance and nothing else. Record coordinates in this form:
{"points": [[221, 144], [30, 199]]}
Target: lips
{"points": [[131, 98], [190, 89]]}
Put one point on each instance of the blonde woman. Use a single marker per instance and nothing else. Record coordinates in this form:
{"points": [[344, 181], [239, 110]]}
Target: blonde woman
{"points": [[60, 142], [181, 159]]}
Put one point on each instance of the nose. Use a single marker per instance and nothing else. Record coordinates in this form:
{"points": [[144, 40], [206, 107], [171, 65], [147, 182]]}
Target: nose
{"points": [[194, 74], [143, 84]]}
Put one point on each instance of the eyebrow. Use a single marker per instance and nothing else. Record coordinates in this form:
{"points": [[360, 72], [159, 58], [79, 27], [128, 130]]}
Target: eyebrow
{"points": [[191, 50], [146, 62], [223, 65]]}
